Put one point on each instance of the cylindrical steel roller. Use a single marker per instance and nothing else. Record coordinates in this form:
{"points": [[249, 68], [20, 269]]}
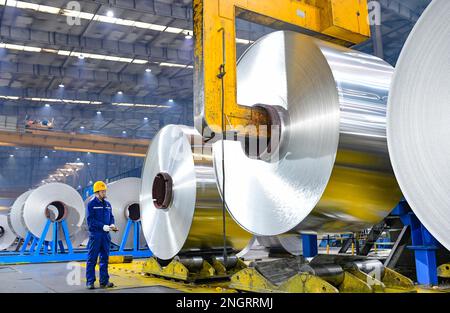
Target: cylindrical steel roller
{"points": [[7, 236], [124, 198], [419, 120], [291, 243], [181, 208], [371, 267], [331, 170], [15, 216], [57, 202], [193, 263], [332, 273]]}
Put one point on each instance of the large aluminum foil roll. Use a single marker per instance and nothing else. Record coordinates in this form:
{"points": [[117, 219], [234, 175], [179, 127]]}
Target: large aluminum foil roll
{"points": [[419, 120], [123, 195], [7, 236], [331, 171], [57, 202], [15, 216], [181, 208]]}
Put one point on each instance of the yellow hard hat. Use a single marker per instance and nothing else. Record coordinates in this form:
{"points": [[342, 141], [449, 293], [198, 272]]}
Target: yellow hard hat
{"points": [[99, 185]]}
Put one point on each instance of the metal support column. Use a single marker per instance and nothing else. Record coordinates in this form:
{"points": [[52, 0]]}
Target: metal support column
{"points": [[309, 242], [424, 245]]}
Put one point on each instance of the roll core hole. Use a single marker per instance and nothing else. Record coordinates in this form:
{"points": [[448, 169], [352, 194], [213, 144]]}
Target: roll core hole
{"points": [[134, 212], [56, 211], [2, 231], [262, 147], [162, 190]]}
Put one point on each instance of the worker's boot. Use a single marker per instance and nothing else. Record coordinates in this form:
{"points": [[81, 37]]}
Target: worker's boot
{"points": [[90, 287], [108, 285]]}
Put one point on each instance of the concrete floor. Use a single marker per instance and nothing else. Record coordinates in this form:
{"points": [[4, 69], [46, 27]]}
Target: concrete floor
{"points": [[51, 278]]}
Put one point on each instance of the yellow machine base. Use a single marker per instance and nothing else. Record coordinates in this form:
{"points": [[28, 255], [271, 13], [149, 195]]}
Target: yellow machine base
{"points": [[355, 281], [135, 275], [176, 270]]}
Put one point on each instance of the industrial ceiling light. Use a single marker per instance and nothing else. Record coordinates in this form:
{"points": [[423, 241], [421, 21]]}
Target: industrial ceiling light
{"points": [[47, 105], [11, 155], [81, 56], [175, 65], [188, 36], [145, 118], [120, 92], [109, 18], [98, 112], [148, 70], [45, 156], [81, 127], [124, 132], [88, 55], [171, 100], [61, 85]]}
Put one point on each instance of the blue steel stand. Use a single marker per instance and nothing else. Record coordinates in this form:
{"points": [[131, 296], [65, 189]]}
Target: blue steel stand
{"points": [[47, 247], [424, 245], [309, 242], [38, 250], [136, 225]]}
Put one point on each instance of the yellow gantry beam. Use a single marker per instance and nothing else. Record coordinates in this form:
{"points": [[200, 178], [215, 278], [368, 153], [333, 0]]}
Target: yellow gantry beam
{"points": [[341, 21], [76, 142]]}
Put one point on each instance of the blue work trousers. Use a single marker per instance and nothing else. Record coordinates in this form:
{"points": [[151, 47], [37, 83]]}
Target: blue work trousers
{"points": [[99, 244]]}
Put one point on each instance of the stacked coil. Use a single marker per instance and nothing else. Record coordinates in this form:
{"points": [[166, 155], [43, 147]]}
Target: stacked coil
{"points": [[331, 170], [419, 118], [124, 198], [55, 202], [181, 209]]}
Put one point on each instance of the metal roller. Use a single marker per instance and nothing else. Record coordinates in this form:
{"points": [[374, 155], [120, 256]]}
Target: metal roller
{"points": [[370, 267], [330, 171], [124, 198], [291, 243], [15, 216], [7, 236], [419, 118], [332, 273], [181, 208], [57, 202]]}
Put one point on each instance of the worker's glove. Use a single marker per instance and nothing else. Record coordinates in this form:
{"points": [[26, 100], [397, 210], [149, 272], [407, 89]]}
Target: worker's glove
{"points": [[113, 227], [106, 228]]}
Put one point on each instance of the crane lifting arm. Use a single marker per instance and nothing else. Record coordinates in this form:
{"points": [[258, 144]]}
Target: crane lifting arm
{"points": [[341, 21]]}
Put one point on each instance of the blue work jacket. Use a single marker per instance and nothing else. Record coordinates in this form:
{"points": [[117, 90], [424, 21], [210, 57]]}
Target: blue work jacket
{"points": [[99, 213]]}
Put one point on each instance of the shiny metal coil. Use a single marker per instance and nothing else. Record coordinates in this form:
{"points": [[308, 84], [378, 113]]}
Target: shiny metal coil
{"points": [[331, 171], [123, 195], [57, 202], [15, 216], [418, 125], [7, 236], [181, 208]]}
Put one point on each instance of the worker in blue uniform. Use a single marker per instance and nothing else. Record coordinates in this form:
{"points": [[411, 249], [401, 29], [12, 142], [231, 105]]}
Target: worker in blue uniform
{"points": [[100, 222]]}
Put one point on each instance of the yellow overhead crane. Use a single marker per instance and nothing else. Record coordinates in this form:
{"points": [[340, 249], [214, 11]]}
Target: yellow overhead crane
{"points": [[344, 22]]}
